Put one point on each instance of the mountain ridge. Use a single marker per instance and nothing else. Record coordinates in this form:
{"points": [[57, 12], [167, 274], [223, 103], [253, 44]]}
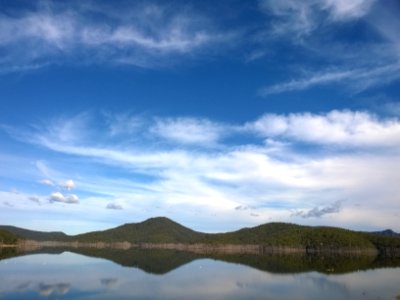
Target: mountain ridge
{"points": [[161, 230]]}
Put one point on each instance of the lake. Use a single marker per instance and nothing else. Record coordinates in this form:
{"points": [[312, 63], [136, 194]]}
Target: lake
{"points": [[151, 274]]}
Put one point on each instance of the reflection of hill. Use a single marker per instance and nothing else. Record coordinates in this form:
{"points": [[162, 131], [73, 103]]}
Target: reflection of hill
{"points": [[161, 261], [149, 260], [297, 263], [7, 252], [15, 252]]}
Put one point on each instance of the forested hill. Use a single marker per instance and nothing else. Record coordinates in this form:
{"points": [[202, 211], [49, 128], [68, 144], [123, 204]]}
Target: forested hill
{"points": [[163, 230], [35, 235], [154, 230], [7, 237], [292, 235]]}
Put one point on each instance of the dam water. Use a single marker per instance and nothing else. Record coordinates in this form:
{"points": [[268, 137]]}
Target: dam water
{"points": [[96, 274]]}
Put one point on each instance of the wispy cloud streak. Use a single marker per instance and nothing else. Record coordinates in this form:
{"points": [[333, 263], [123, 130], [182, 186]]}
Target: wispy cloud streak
{"points": [[73, 33], [356, 80]]}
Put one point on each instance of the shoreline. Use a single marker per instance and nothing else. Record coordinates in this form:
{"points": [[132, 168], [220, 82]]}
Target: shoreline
{"points": [[201, 248]]}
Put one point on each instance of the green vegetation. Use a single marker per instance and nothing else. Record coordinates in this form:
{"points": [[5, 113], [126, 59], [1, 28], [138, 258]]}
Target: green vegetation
{"points": [[35, 235], [386, 245], [291, 235], [272, 235], [154, 230], [7, 238]]}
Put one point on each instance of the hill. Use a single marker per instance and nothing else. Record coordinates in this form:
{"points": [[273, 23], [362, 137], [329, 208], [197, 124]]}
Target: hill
{"points": [[387, 232], [35, 235], [7, 237], [162, 230], [292, 235], [154, 230]]}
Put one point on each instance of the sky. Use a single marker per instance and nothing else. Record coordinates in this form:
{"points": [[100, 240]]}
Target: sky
{"points": [[218, 115]]}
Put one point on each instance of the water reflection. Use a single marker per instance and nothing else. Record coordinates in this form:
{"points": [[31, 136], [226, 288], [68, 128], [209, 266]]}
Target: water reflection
{"points": [[57, 289], [157, 261], [185, 276], [109, 282]]}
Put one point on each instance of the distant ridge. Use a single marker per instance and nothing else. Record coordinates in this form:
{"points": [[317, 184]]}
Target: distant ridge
{"points": [[35, 235], [161, 230], [387, 232]]}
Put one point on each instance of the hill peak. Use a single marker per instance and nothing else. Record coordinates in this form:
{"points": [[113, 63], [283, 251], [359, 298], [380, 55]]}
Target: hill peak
{"points": [[159, 219], [154, 221]]}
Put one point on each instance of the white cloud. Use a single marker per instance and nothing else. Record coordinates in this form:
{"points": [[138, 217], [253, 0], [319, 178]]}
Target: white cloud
{"points": [[344, 10], [69, 130], [68, 185], [189, 131], [294, 16], [356, 80], [356, 65], [304, 17], [305, 83], [72, 199], [270, 179], [61, 33], [123, 124], [341, 128], [47, 182], [59, 197]]}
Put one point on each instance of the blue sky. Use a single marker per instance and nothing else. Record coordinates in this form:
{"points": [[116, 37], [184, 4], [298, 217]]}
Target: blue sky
{"points": [[218, 116]]}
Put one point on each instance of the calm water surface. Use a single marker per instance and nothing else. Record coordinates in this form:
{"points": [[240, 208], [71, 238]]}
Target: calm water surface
{"points": [[76, 276]]}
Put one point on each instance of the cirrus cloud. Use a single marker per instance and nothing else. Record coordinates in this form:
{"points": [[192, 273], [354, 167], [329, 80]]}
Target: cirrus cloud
{"points": [[76, 32], [189, 131]]}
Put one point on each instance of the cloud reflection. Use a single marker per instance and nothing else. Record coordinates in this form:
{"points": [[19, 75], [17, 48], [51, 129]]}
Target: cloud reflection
{"points": [[57, 289], [108, 282]]}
